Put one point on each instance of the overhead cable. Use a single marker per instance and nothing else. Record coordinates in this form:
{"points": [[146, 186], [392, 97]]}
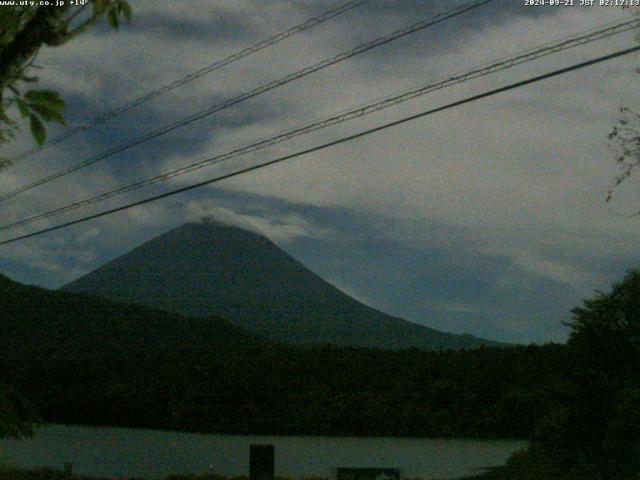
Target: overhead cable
{"points": [[279, 37], [476, 72], [250, 94], [349, 138]]}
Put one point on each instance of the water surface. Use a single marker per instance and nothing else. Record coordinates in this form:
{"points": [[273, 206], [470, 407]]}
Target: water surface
{"points": [[119, 452]]}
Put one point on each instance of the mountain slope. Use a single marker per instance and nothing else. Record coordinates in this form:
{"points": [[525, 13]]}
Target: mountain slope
{"points": [[83, 359], [76, 359], [205, 269], [32, 317]]}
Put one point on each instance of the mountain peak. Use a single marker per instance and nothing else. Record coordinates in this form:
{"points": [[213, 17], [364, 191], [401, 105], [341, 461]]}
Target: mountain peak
{"points": [[209, 268], [214, 230]]}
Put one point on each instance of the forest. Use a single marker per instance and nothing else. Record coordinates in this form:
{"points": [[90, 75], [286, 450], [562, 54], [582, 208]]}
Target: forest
{"points": [[82, 360]]}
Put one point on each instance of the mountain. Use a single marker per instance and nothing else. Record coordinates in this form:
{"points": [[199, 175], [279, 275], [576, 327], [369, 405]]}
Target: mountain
{"points": [[32, 316], [36, 323], [83, 359], [78, 359], [210, 269]]}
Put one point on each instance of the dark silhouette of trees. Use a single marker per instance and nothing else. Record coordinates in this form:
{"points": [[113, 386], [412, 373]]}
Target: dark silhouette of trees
{"points": [[604, 421], [15, 413], [624, 138], [84, 360], [592, 430], [24, 30]]}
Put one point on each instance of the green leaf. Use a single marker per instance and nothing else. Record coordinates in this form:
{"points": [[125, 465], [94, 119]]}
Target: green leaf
{"points": [[37, 129], [99, 6], [48, 113], [46, 103], [46, 97], [112, 17], [22, 106], [125, 9]]}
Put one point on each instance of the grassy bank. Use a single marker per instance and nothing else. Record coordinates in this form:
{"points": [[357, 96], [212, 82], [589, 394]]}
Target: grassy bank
{"points": [[518, 468], [12, 473], [532, 465]]}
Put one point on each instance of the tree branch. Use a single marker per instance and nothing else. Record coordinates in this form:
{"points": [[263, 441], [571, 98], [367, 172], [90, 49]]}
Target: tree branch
{"points": [[40, 29], [82, 27]]}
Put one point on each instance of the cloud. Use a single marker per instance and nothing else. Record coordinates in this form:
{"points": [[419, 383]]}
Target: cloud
{"points": [[88, 235], [497, 206], [55, 260], [554, 270], [282, 229]]}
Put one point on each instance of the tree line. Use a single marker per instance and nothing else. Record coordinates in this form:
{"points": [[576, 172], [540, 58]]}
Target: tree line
{"points": [[83, 360]]}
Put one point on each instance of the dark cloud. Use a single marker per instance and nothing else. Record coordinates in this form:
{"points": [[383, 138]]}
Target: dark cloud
{"points": [[443, 281], [506, 284], [193, 139], [493, 12], [405, 55], [447, 287], [431, 273], [211, 23]]}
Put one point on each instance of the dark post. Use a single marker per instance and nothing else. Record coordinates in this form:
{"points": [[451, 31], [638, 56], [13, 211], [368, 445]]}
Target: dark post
{"points": [[261, 462], [68, 468]]}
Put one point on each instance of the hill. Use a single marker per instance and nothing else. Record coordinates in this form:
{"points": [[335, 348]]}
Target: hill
{"points": [[210, 269], [78, 359], [71, 355], [65, 317]]}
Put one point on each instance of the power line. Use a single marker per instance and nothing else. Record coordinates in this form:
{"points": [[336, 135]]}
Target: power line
{"points": [[364, 133], [277, 38], [476, 72], [253, 93]]}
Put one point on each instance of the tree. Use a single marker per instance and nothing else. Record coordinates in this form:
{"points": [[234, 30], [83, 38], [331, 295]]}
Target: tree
{"points": [[592, 430], [624, 139], [606, 342], [625, 142], [595, 431], [15, 414], [24, 29]]}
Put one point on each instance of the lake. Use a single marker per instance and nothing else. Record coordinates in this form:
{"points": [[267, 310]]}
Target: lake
{"points": [[119, 452]]}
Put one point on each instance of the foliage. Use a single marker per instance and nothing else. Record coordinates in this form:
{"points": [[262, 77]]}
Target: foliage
{"points": [[606, 344], [593, 432], [85, 360], [14, 414], [25, 29], [7, 473], [49, 474], [624, 138], [625, 142]]}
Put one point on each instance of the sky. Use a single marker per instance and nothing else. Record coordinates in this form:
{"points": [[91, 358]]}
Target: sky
{"points": [[488, 219]]}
